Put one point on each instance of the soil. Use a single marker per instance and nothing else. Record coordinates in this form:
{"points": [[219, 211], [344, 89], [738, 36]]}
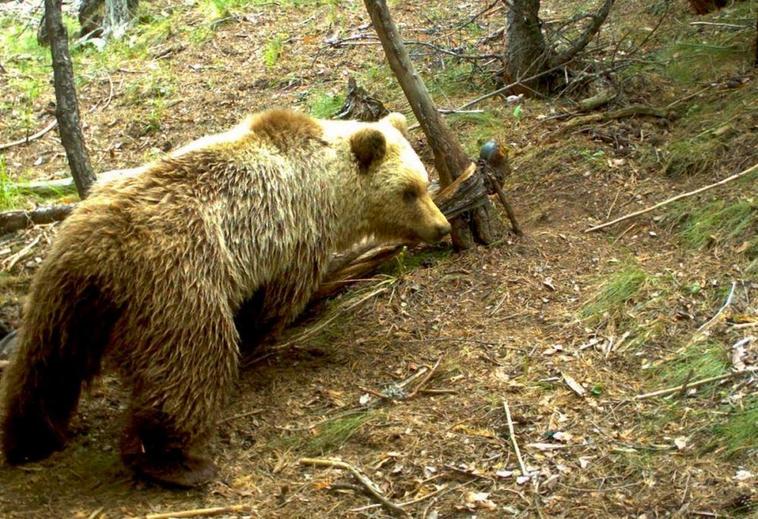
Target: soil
{"points": [[504, 321]]}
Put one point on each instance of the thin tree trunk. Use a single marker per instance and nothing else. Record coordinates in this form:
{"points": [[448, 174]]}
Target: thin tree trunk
{"points": [[67, 107], [449, 157]]}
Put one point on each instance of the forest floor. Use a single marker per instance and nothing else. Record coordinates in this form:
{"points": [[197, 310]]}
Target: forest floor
{"points": [[564, 327]]}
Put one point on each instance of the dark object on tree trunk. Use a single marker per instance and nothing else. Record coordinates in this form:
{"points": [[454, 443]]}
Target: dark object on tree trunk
{"points": [[706, 6], [526, 51], [449, 158], [16, 220], [359, 105], [66, 105]]}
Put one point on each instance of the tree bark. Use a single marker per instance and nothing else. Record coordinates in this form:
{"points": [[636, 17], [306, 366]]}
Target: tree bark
{"points": [[118, 13], [449, 157], [526, 52], [67, 107]]}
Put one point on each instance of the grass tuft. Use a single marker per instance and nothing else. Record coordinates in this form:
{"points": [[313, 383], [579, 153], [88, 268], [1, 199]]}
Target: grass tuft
{"points": [[620, 288], [719, 221], [698, 361], [739, 432], [9, 194]]}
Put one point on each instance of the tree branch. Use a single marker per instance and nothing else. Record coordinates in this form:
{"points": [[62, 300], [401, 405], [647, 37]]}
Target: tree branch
{"points": [[584, 40]]}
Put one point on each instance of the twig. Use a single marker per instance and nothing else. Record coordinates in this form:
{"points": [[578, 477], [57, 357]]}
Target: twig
{"points": [[201, 512], [10, 262], [716, 24], [748, 171], [240, 415], [512, 434], [30, 138], [728, 301], [426, 378], [362, 479], [698, 383], [506, 205]]}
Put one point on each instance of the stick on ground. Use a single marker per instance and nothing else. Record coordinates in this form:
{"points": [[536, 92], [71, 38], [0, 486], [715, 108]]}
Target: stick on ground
{"points": [[698, 383], [748, 171], [201, 512], [362, 479], [512, 434], [30, 138]]}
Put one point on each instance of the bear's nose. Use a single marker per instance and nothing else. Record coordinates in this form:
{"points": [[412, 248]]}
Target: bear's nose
{"points": [[443, 230]]}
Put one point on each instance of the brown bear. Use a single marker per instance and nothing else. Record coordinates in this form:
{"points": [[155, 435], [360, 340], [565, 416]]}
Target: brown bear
{"points": [[150, 271]]}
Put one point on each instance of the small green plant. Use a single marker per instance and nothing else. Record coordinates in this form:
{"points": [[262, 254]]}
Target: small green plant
{"points": [[9, 194], [620, 288], [324, 104], [273, 49], [328, 437]]}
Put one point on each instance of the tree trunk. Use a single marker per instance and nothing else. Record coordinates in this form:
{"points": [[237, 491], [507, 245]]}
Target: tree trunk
{"points": [[526, 53], [450, 159], [118, 13], [67, 107]]}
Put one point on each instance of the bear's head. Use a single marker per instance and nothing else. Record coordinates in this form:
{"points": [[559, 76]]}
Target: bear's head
{"points": [[397, 205]]}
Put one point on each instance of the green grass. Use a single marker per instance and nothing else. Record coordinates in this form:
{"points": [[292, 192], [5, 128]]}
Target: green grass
{"points": [[327, 438], [738, 434], [273, 50], [701, 360], [324, 104], [476, 128], [719, 222], [9, 194], [408, 261], [615, 293], [453, 80]]}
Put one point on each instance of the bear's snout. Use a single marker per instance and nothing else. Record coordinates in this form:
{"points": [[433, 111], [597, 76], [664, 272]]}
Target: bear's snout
{"points": [[443, 230]]}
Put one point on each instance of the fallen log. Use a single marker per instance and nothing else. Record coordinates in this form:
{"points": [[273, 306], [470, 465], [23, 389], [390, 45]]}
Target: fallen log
{"points": [[16, 220]]}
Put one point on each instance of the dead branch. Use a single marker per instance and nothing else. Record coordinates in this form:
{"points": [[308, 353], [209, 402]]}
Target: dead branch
{"points": [[581, 42], [30, 138], [66, 185], [698, 383], [362, 479], [15, 220], [512, 434], [201, 512], [748, 171], [627, 111], [426, 378]]}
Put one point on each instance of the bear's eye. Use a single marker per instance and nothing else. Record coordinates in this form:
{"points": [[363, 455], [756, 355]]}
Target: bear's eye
{"points": [[410, 195]]}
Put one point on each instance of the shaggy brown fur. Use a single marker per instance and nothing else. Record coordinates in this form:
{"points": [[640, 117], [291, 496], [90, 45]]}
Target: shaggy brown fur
{"points": [[151, 270]]}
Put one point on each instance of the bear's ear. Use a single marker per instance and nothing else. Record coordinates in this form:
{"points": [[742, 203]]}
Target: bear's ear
{"points": [[397, 120], [368, 146]]}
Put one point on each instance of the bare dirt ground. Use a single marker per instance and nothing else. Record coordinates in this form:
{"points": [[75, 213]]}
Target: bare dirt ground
{"points": [[518, 322]]}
